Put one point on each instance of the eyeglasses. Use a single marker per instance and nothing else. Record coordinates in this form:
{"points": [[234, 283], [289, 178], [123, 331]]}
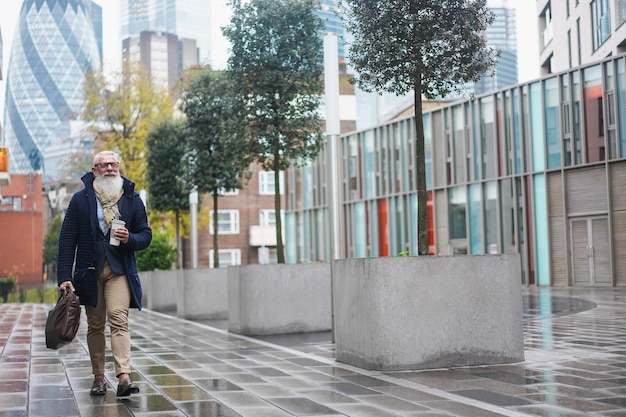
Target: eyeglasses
{"points": [[105, 165]]}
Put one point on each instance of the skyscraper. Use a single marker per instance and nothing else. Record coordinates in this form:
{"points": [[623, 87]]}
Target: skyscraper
{"points": [[330, 12], [53, 48], [501, 35], [190, 19], [163, 55]]}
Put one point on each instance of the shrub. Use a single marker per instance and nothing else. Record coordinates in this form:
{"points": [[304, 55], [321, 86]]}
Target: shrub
{"points": [[160, 255]]}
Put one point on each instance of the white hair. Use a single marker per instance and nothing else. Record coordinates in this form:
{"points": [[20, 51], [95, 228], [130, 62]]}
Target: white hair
{"points": [[103, 153]]}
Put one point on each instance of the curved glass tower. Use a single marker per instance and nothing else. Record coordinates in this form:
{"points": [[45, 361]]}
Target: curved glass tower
{"points": [[53, 48]]}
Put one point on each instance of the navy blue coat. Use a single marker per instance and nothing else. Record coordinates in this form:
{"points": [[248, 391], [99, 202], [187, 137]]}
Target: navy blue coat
{"points": [[77, 241]]}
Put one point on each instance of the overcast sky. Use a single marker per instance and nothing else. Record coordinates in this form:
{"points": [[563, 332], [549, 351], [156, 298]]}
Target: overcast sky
{"points": [[10, 9]]}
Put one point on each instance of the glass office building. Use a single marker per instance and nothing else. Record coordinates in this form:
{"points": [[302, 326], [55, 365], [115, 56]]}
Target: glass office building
{"points": [[501, 35], [53, 48], [537, 169], [190, 19]]}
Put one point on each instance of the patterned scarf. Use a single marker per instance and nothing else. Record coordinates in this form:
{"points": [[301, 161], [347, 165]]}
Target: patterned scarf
{"points": [[109, 205]]}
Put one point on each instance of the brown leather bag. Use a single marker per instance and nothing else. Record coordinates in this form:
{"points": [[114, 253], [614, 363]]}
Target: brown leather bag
{"points": [[63, 321]]}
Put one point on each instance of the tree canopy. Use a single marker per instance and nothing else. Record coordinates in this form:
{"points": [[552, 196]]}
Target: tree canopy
{"points": [[121, 109], [276, 65], [429, 47], [218, 151], [168, 184]]}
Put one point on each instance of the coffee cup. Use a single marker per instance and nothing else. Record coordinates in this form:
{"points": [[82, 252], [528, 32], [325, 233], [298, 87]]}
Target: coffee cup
{"points": [[115, 224]]}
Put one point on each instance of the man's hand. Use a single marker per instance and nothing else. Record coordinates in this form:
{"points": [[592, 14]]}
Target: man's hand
{"points": [[122, 234], [67, 286]]}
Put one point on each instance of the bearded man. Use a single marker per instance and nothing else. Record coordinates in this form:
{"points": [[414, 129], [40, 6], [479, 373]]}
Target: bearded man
{"points": [[105, 276]]}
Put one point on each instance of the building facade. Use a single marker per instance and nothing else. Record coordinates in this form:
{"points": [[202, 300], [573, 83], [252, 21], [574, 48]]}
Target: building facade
{"points": [[246, 225], [21, 214], [537, 169], [53, 48], [163, 55], [187, 19], [579, 32]]}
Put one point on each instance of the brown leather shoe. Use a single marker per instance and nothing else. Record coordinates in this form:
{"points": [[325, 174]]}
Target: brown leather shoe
{"points": [[99, 387], [126, 388]]}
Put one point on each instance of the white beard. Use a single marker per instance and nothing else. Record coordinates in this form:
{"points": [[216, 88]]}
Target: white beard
{"points": [[110, 186]]}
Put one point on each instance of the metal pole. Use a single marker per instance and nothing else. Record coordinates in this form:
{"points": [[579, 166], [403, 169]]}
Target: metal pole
{"points": [[193, 210], [331, 87]]}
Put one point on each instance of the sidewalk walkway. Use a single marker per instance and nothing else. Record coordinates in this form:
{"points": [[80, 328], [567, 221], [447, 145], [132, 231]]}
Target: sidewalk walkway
{"points": [[575, 365]]}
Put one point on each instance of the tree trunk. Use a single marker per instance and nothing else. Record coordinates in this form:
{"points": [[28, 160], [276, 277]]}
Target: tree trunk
{"points": [[179, 242], [420, 167], [216, 250], [280, 251]]}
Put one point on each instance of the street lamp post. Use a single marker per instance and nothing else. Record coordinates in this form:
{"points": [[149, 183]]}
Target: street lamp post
{"points": [[331, 87]]}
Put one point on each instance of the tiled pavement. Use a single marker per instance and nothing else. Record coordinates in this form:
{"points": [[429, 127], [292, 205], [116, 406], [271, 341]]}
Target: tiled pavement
{"points": [[575, 347]]}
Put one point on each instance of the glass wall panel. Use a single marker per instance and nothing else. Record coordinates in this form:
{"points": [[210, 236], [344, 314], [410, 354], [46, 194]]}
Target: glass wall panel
{"points": [[491, 217], [457, 200], [322, 243], [609, 93], [576, 118], [399, 225], [354, 173], [507, 214], [536, 127], [621, 103], [306, 243], [487, 136], [566, 118], [551, 103], [475, 220], [476, 139], [291, 248], [413, 224], [307, 185], [373, 228], [360, 231], [542, 246], [369, 164], [458, 142], [517, 132], [428, 150], [594, 114]]}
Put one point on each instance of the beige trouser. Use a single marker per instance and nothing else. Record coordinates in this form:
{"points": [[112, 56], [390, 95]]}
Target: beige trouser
{"points": [[113, 302]]}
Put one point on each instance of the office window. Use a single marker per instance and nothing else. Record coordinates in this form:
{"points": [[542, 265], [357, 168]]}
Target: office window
{"points": [[621, 11], [594, 114], [267, 217], [457, 200], [551, 105], [267, 183], [11, 203], [227, 257], [227, 222], [601, 22]]}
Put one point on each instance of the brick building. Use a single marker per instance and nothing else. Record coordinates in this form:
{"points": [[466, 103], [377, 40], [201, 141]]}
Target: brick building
{"points": [[21, 223]]}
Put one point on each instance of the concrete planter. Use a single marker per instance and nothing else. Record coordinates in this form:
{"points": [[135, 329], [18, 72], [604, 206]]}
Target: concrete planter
{"points": [[401, 313], [279, 299], [192, 293], [203, 294]]}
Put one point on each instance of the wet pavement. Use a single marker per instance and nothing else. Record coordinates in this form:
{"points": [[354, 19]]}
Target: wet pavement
{"points": [[575, 348]]}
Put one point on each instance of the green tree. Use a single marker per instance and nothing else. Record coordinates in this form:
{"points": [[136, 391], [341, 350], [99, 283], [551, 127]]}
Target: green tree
{"points": [[277, 67], [429, 47], [167, 180], [218, 150], [121, 109], [51, 245], [160, 255]]}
